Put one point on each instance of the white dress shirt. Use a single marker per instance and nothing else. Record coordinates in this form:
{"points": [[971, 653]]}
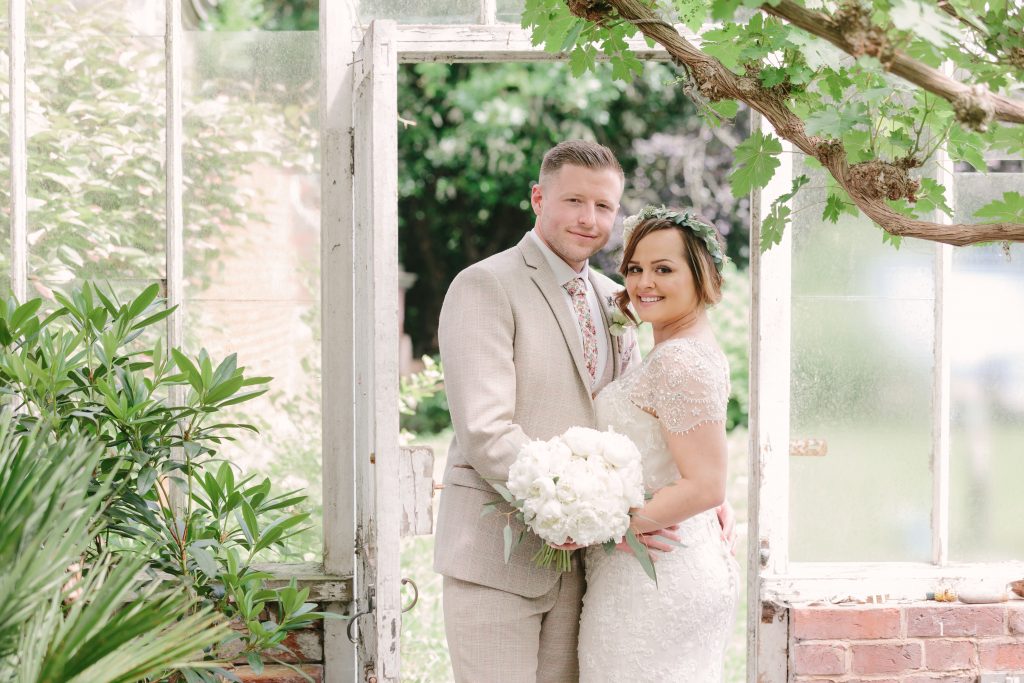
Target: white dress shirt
{"points": [[563, 274]]}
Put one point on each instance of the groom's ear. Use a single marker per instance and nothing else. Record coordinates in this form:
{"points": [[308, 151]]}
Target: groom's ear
{"points": [[536, 198]]}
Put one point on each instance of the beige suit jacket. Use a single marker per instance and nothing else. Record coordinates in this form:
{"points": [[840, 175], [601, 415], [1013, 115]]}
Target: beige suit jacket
{"points": [[514, 371]]}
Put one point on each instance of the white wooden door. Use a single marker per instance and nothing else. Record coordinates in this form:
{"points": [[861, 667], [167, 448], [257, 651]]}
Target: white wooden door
{"points": [[375, 308], [768, 495]]}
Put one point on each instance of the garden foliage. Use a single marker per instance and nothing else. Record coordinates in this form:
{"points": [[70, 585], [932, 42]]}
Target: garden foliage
{"points": [[128, 434]]}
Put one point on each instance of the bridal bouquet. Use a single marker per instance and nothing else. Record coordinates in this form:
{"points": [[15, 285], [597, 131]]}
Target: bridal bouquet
{"points": [[575, 488]]}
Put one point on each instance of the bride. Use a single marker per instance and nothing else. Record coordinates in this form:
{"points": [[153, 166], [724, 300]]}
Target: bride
{"points": [[673, 406]]}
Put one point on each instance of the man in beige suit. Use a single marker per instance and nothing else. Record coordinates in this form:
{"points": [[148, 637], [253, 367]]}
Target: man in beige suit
{"points": [[525, 346]]}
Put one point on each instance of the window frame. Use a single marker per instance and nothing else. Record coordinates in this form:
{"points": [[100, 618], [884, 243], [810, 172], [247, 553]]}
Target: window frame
{"points": [[777, 579]]}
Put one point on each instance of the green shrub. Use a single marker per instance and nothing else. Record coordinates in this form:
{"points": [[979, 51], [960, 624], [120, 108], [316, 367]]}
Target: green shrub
{"points": [[422, 402], [169, 504]]}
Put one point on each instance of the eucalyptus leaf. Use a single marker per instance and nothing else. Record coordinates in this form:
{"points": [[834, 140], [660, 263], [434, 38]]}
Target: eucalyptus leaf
{"points": [[643, 555], [507, 533]]}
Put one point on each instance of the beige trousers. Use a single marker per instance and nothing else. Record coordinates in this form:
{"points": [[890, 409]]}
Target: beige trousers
{"points": [[499, 637]]}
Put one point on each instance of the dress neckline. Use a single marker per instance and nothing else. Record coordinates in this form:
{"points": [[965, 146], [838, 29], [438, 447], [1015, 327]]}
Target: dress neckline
{"points": [[690, 340]]}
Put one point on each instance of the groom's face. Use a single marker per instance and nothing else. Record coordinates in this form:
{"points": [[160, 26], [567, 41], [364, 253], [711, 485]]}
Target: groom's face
{"points": [[576, 209]]}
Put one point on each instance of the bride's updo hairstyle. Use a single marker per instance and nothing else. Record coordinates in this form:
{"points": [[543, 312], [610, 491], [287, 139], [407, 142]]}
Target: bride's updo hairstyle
{"points": [[696, 232]]}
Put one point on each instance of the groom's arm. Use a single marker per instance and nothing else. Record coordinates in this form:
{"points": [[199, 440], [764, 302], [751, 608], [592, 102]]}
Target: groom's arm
{"points": [[476, 335]]}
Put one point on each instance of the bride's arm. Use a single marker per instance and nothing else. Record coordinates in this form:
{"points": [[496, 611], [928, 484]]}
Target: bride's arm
{"points": [[701, 456]]}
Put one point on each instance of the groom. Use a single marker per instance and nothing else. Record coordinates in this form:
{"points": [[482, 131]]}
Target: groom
{"points": [[525, 347]]}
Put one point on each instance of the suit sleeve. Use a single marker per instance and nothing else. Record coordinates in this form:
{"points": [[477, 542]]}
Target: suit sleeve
{"points": [[476, 334]]}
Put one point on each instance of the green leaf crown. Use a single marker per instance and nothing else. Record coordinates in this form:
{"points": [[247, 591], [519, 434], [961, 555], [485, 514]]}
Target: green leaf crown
{"points": [[683, 220]]}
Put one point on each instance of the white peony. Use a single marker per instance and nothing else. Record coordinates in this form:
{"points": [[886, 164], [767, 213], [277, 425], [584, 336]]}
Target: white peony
{"points": [[618, 449], [578, 486], [582, 441]]}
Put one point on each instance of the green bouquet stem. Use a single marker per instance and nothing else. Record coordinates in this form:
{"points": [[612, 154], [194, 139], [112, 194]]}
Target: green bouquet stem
{"points": [[548, 556]]}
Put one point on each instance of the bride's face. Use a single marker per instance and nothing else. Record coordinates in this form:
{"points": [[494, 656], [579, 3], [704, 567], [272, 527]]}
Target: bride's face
{"points": [[659, 280]]}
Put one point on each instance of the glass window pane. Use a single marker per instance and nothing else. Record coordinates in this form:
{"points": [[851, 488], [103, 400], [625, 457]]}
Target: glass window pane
{"points": [[4, 16], [109, 17], [986, 310], [421, 11], [511, 11], [96, 118], [862, 331], [252, 221], [279, 339], [975, 190]]}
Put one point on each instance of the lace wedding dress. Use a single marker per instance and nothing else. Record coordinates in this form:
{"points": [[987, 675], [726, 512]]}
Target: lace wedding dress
{"points": [[630, 629]]}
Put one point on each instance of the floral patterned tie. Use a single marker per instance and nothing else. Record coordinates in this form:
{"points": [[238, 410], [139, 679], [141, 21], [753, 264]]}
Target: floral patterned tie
{"points": [[578, 291]]}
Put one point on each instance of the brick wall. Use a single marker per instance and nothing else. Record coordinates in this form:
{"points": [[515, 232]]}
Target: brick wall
{"points": [[307, 654], [907, 642]]}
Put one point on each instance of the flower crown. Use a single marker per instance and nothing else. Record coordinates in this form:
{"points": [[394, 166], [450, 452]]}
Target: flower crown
{"points": [[683, 220]]}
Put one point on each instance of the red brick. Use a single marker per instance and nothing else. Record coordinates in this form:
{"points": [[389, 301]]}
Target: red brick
{"points": [[305, 645], [1002, 655], [1015, 614], [819, 658], [941, 678], [885, 658], [948, 655], [854, 623], [957, 620], [278, 673]]}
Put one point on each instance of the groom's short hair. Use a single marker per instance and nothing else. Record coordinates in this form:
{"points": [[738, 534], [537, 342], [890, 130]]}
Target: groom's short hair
{"points": [[579, 153]]}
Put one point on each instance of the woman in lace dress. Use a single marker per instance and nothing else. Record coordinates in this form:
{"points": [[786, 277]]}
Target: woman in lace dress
{"points": [[673, 406]]}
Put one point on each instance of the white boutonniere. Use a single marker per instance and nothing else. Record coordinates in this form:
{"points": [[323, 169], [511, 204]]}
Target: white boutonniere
{"points": [[618, 322]]}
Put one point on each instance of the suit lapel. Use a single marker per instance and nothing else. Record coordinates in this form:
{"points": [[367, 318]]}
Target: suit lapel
{"points": [[553, 293], [613, 342]]}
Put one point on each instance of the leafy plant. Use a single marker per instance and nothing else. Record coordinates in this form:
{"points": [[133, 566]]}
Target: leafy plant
{"points": [[168, 503], [422, 403], [108, 624]]}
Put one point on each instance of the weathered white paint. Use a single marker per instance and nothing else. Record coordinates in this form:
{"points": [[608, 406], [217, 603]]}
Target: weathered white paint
{"points": [[173, 179], [322, 586], [828, 581], [941, 400], [336, 259], [769, 422], [337, 330], [488, 12], [174, 245], [19, 157], [375, 261], [773, 644], [416, 490], [494, 43]]}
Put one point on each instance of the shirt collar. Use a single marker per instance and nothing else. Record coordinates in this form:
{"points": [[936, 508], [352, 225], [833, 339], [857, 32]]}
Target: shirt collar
{"points": [[562, 270]]}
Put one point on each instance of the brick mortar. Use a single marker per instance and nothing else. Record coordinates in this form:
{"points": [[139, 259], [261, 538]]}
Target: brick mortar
{"points": [[999, 625]]}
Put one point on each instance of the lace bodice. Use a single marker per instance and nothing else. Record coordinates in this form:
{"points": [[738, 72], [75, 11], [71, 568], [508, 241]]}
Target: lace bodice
{"points": [[677, 630], [680, 385]]}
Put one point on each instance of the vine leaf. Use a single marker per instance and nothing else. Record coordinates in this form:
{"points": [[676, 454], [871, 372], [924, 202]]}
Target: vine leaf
{"points": [[756, 159], [1009, 208], [774, 224], [925, 22]]}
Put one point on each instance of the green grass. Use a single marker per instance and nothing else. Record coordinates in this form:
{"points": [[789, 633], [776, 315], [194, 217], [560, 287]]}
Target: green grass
{"points": [[424, 651]]}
